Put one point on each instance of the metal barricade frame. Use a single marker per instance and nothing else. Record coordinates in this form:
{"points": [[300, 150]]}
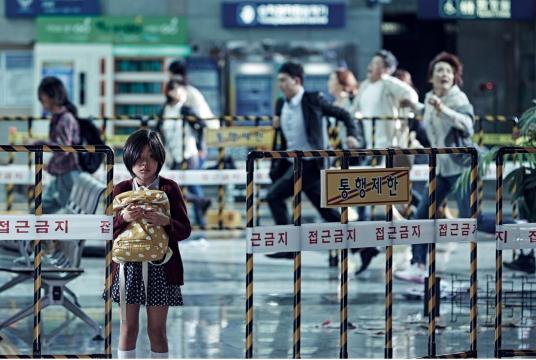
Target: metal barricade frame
{"points": [[345, 155], [38, 150], [499, 161]]}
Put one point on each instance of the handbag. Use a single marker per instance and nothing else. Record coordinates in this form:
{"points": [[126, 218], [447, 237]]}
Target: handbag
{"points": [[459, 138]]}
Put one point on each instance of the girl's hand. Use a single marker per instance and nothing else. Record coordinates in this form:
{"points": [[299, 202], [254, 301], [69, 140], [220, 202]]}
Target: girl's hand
{"points": [[132, 213], [436, 103], [155, 218]]}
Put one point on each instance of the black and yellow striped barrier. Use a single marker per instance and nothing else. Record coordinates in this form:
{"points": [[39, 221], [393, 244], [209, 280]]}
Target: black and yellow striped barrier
{"points": [[432, 304], [250, 167], [388, 350], [30, 189], [488, 118], [296, 337], [230, 119], [432, 164], [343, 353], [10, 187], [499, 161], [374, 160], [38, 150]]}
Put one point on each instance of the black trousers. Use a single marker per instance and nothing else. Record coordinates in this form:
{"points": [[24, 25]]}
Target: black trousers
{"points": [[283, 188]]}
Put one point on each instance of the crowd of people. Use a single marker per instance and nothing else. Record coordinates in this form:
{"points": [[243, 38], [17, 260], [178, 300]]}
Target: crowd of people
{"points": [[446, 114], [301, 118]]}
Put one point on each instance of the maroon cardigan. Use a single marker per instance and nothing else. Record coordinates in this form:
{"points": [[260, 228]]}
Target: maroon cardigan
{"points": [[178, 229]]}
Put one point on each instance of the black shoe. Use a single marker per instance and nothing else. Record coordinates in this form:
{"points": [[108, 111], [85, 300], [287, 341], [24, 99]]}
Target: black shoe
{"points": [[281, 255], [523, 263], [333, 259], [205, 205], [366, 257]]}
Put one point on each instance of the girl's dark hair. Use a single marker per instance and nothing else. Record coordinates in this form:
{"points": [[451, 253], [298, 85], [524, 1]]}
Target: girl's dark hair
{"points": [[173, 84], [52, 87], [347, 80], [453, 61], [135, 145]]}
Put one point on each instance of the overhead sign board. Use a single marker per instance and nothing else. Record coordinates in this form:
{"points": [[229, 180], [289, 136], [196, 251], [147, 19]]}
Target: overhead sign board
{"points": [[33, 8], [122, 30], [341, 188], [476, 9], [284, 14]]}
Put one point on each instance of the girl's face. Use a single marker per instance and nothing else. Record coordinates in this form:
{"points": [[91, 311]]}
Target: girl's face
{"points": [[145, 168], [47, 102], [178, 94], [442, 78]]}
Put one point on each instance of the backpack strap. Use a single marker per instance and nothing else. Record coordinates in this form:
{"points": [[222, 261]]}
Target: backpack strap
{"points": [[145, 278], [122, 292]]}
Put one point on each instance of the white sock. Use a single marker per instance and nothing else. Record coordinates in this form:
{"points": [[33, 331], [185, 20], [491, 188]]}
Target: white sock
{"points": [[126, 354], [157, 355]]}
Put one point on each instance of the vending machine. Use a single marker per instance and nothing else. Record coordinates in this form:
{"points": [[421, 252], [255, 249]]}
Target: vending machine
{"points": [[252, 87], [86, 71], [204, 74]]}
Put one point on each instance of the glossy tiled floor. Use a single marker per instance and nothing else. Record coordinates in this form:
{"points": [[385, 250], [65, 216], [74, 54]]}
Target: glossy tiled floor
{"points": [[211, 324]]}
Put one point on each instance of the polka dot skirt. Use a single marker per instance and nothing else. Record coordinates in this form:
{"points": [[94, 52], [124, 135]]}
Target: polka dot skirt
{"points": [[159, 291]]}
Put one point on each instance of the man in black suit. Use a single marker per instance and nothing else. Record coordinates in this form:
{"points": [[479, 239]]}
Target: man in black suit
{"points": [[300, 118]]}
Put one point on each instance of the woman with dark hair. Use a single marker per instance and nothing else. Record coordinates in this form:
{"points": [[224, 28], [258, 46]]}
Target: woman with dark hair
{"points": [[63, 130], [343, 85], [446, 109], [144, 157]]}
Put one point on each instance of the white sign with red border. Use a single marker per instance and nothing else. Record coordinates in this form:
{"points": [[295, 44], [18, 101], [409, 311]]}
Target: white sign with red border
{"points": [[361, 234], [515, 236], [56, 227]]}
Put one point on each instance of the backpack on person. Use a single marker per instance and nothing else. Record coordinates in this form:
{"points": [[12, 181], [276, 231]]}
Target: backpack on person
{"points": [[89, 135], [140, 242]]}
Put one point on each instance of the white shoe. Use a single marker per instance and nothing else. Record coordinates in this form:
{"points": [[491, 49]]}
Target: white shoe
{"points": [[414, 273], [352, 214], [352, 266]]}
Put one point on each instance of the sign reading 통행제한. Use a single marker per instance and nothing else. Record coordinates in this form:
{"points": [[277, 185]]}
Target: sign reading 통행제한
{"points": [[123, 30], [259, 137], [364, 187]]}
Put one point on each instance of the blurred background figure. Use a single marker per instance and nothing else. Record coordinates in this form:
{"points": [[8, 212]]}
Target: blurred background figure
{"points": [[171, 133], [446, 109], [343, 86], [380, 95]]}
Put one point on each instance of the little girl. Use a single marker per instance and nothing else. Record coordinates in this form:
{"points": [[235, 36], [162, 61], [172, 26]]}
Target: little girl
{"points": [[144, 157]]}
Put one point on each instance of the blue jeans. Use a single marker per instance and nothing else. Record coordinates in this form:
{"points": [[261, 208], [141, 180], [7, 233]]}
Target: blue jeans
{"points": [[444, 186], [194, 163], [56, 193]]}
